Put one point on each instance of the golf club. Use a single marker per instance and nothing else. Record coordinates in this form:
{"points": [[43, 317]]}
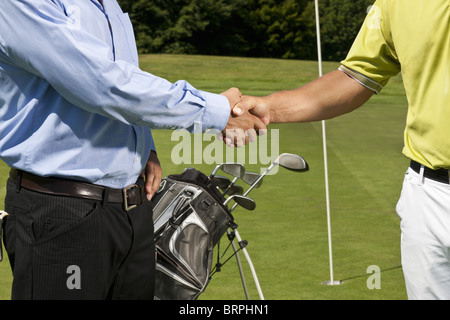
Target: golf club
{"points": [[243, 201], [221, 182], [230, 185], [232, 168], [248, 177], [286, 160], [251, 177], [235, 189], [226, 186], [292, 162]]}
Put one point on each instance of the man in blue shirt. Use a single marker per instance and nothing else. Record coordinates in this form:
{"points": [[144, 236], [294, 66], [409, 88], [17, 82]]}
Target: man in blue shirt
{"points": [[76, 114]]}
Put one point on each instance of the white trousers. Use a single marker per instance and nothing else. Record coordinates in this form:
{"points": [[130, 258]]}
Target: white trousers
{"points": [[424, 211]]}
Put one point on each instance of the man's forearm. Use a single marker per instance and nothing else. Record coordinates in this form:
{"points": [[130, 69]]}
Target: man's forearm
{"points": [[330, 96]]}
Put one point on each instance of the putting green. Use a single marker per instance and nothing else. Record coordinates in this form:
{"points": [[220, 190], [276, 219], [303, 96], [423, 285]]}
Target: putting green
{"points": [[287, 233]]}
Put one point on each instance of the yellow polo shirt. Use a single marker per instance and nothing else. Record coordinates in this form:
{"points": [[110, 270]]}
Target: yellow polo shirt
{"points": [[411, 36]]}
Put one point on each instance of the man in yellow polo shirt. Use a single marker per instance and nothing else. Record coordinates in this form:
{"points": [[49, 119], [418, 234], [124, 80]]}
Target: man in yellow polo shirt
{"points": [[411, 36]]}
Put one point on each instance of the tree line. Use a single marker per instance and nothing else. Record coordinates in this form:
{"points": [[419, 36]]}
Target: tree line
{"points": [[250, 28]]}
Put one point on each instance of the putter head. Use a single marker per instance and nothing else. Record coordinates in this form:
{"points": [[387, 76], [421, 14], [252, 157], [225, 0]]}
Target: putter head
{"points": [[292, 162]]}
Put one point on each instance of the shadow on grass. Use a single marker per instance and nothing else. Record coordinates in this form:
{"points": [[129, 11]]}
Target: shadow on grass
{"points": [[365, 275]]}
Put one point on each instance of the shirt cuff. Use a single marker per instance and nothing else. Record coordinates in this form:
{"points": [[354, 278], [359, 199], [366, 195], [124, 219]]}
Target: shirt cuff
{"points": [[217, 112], [362, 79]]}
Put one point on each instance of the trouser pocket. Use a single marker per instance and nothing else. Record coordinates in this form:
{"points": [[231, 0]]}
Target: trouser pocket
{"points": [[63, 247]]}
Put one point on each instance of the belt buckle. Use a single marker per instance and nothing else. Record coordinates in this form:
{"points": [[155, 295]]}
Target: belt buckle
{"points": [[125, 198]]}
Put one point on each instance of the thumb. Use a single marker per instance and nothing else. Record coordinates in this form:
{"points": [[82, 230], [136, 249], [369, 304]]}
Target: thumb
{"points": [[257, 106], [240, 108]]}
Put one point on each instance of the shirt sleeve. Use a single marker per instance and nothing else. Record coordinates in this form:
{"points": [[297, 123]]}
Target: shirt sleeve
{"points": [[372, 59], [38, 37]]}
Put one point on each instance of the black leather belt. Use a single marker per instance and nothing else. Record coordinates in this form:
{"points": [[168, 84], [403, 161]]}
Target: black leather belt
{"points": [[440, 175], [130, 196]]}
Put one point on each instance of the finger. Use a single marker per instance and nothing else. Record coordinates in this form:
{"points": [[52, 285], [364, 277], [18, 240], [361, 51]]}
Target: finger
{"points": [[228, 141], [262, 132], [235, 138], [266, 120], [233, 91], [252, 135], [155, 186], [149, 185], [241, 138], [241, 141], [233, 95], [152, 180], [259, 125], [229, 137]]}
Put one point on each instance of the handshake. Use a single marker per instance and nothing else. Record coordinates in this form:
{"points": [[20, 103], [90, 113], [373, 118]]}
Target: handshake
{"points": [[330, 96], [249, 117]]}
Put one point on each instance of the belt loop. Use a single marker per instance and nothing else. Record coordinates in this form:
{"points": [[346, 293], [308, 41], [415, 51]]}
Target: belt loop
{"points": [[421, 174], [105, 197], [18, 181]]}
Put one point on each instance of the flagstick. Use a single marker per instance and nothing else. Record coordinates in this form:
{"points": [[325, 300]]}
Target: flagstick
{"points": [[327, 193]]}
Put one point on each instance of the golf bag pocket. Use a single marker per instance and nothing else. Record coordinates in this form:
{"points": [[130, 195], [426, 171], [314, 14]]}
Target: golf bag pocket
{"points": [[189, 219]]}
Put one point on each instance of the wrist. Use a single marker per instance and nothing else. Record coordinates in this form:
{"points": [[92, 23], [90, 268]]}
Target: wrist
{"points": [[269, 105]]}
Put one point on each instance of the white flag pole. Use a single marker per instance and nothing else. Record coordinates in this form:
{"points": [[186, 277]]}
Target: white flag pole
{"points": [[327, 193]]}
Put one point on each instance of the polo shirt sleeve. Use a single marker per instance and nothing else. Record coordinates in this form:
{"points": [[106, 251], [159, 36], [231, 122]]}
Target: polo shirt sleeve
{"points": [[372, 59]]}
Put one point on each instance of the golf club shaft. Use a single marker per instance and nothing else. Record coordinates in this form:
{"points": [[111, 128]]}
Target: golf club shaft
{"points": [[256, 182], [230, 185]]}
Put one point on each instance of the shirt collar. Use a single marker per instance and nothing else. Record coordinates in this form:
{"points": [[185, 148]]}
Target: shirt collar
{"points": [[97, 3]]}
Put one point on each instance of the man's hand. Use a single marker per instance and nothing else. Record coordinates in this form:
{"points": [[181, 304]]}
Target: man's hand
{"points": [[331, 95], [242, 129], [258, 106], [233, 95], [152, 175]]}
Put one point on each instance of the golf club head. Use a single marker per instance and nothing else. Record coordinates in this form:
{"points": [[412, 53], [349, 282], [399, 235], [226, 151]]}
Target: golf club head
{"points": [[292, 162], [234, 169], [221, 182], [245, 202], [236, 189], [252, 177]]}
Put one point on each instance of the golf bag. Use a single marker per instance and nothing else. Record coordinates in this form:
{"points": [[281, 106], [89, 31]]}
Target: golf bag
{"points": [[189, 218]]}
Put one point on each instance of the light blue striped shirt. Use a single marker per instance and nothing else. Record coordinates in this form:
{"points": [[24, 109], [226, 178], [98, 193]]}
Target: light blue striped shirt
{"points": [[73, 101]]}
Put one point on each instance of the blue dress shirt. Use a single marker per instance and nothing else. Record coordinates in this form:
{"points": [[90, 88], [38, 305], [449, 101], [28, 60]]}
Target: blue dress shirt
{"points": [[73, 101]]}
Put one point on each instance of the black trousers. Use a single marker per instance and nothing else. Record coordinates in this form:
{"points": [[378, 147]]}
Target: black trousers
{"points": [[70, 248]]}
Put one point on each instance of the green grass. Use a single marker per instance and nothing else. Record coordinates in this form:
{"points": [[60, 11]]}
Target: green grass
{"points": [[287, 233]]}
